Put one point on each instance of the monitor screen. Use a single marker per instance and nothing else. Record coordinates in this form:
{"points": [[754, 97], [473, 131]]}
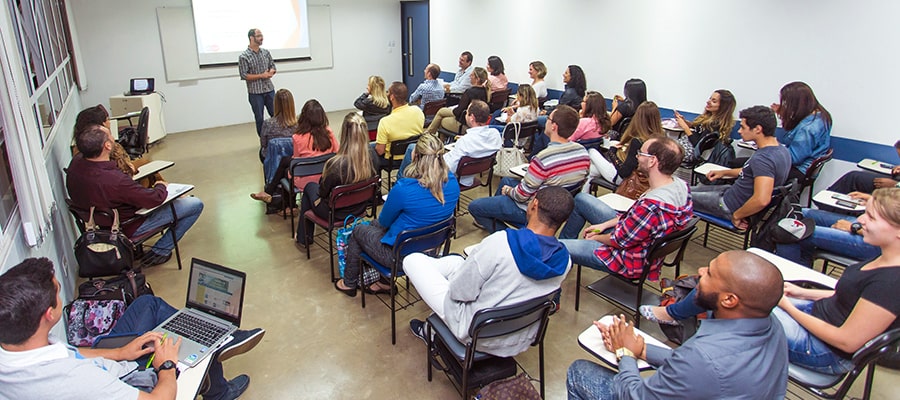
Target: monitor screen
{"points": [[141, 85]]}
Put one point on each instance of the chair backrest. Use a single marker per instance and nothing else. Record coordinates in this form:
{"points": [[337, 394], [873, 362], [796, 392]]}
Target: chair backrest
{"points": [[881, 346], [622, 125], [706, 143], [309, 165], [665, 245], [102, 217], [78, 213], [591, 143], [527, 130], [504, 320], [498, 99], [355, 193], [471, 166], [143, 134], [398, 147], [432, 107], [433, 239], [813, 171]]}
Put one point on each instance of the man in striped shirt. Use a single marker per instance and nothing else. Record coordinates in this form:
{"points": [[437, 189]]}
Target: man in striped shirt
{"points": [[562, 163], [257, 68]]}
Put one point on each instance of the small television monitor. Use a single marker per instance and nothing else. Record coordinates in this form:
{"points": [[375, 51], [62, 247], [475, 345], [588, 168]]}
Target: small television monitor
{"points": [[141, 86]]}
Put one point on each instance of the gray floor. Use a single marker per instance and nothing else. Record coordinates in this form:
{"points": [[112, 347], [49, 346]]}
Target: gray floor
{"points": [[321, 344]]}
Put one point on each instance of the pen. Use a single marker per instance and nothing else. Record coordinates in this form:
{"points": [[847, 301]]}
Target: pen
{"points": [[161, 341]]}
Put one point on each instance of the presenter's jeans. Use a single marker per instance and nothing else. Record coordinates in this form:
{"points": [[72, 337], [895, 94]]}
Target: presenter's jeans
{"points": [[257, 102]]}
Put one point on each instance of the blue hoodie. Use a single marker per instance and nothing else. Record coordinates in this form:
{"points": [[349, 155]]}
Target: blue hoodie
{"points": [[538, 257]]}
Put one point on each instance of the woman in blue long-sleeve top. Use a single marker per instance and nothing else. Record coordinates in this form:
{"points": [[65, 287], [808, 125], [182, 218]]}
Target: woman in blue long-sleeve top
{"points": [[808, 126]]}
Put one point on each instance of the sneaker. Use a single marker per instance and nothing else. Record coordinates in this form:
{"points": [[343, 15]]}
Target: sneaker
{"points": [[647, 312], [243, 342], [153, 258], [477, 225], [417, 327], [236, 388]]}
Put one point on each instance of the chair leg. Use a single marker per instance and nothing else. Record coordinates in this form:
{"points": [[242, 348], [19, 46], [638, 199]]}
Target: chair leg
{"points": [[429, 346], [394, 309], [870, 376], [541, 367], [706, 234], [360, 282], [331, 253], [172, 231], [637, 306], [578, 287]]}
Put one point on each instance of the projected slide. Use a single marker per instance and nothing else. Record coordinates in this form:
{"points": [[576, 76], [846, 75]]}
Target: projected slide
{"points": [[221, 27]]}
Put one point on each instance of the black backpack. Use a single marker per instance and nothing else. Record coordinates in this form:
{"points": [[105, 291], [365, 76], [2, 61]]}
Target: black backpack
{"points": [[787, 206], [722, 154]]}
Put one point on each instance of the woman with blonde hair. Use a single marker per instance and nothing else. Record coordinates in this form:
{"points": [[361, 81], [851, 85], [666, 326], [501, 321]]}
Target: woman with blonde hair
{"points": [[622, 161], [283, 122], [523, 109], [373, 102], [425, 195], [352, 164], [537, 71], [452, 119]]}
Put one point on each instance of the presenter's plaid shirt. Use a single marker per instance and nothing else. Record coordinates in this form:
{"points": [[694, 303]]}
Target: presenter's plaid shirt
{"points": [[251, 62]]}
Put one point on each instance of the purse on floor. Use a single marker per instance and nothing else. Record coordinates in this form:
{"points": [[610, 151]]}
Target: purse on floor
{"points": [[342, 240], [634, 186], [102, 252]]}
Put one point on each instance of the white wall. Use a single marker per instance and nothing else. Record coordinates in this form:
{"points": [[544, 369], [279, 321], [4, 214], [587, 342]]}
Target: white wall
{"points": [[120, 40], [684, 50]]}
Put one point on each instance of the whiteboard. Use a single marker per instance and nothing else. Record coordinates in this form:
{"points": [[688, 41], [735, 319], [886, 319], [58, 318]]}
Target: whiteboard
{"points": [[179, 46]]}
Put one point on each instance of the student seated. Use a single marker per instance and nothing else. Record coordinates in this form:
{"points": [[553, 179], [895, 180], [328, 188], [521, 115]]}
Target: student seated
{"points": [[858, 183], [497, 76], [576, 87], [313, 138], [738, 355], [523, 110], [717, 117], [755, 182], [461, 80], [425, 195], [594, 122], [404, 122], [352, 164], [429, 90], [283, 123], [373, 102], [825, 327], [620, 244], [563, 164], [35, 364], [808, 126], [621, 161], [452, 118], [624, 107], [537, 71], [508, 267], [836, 233]]}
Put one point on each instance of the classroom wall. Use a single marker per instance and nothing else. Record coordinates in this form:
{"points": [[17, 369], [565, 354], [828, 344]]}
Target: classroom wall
{"points": [[120, 40], [685, 50]]}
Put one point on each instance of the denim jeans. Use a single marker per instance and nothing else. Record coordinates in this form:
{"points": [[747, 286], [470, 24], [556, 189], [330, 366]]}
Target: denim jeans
{"points": [[826, 237], [709, 200], [188, 210], [498, 207], [685, 308], [582, 252], [587, 209], [144, 314], [407, 159], [807, 350], [257, 102], [586, 380]]}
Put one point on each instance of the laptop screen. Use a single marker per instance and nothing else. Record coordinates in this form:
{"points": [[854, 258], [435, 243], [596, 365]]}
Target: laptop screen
{"points": [[216, 290]]}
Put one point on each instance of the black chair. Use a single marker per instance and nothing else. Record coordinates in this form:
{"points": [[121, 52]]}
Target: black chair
{"points": [[81, 215], [875, 351], [622, 125], [433, 240], [809, 179], [342, 197], [431, 108], [828, 257], [498, 99], [527, 131], [591, 143], [136, 140], [469, 368], [300, 167], [398, 148], [628, 293], [706, 143]]}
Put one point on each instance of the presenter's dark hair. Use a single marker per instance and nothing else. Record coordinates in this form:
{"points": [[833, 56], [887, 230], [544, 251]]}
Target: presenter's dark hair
{"points": [[555, 204], [399, 91], [251, 33], [26, 292], [91, 140], [577, 80], [96, 115], [760, 116], [496, 65]]}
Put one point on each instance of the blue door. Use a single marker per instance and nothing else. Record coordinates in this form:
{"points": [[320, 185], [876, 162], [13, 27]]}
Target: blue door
{"points": [[415, 48]]}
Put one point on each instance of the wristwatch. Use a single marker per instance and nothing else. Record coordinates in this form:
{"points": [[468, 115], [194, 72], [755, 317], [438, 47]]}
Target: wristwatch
{"points": [[169, 364], [855, 227], [622, 352]]}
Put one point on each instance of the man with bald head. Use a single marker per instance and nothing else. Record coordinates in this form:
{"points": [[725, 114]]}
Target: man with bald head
{"points": [[741, 354]]}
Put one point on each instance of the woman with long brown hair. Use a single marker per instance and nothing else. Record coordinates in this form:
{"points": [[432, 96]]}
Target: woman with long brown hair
{"points": [[283, 122], [808, 126], [718, 116], [645, 123]]}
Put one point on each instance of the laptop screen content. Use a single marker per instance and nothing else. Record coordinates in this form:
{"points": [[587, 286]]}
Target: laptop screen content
{"points": [[216, 289]]}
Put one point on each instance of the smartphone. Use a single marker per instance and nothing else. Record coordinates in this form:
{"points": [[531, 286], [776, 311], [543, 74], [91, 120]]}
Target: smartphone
{"points": [[886, 166], [848, 204], [845, 198]]}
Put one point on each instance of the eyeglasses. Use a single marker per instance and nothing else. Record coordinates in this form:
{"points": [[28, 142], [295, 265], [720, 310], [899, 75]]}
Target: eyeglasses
{"points": [[641, 153], [551, 120]]}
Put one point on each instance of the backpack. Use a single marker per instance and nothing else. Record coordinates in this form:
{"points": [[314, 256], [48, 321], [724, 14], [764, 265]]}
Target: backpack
{"points": [[674, 291], [787, 207], [722, 154]]}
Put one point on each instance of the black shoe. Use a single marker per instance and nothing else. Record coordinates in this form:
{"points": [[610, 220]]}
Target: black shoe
{"points": [[417, 327], [153, 258], [348, 292], [243, 342], [236, 388]]}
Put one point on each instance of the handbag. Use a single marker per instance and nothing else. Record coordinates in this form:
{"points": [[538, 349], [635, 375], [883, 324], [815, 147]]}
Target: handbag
{"points": [[518, 387], [342, 241], [88, 319], [127, 286], [634, 186], [101, 252], [510, 157]]}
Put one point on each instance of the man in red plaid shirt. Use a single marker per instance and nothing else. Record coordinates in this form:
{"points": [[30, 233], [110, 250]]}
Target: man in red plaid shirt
{"points": [[619, 243]]}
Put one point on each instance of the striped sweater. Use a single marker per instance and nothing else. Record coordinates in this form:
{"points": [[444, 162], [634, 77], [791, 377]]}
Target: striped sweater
{"points": [[560, 164]]}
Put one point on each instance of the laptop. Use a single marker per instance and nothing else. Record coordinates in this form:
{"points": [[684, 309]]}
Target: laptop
{"points": [[215, 299], [141, 86]]}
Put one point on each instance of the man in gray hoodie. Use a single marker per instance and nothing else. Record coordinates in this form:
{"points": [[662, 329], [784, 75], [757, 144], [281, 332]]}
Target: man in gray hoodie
{"points": [[507, 267], [620, 243]]}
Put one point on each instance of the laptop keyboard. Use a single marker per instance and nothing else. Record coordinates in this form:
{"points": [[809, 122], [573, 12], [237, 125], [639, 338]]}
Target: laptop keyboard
{"points": [[188, 326]]}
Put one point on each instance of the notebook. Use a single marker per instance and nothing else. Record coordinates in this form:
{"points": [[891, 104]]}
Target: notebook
{"points": [[215, 299]]}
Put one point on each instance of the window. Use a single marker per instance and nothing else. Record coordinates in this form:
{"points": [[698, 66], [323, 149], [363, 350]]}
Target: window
{"points": [[7, 190]]}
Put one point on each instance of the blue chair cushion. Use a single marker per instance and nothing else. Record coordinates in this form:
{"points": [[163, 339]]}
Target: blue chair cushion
{"points": [[720, 222], [384, 271]]}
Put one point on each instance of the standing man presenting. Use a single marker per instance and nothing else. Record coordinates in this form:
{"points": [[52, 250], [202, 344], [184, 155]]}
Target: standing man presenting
{"points": [[258, 68]]}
